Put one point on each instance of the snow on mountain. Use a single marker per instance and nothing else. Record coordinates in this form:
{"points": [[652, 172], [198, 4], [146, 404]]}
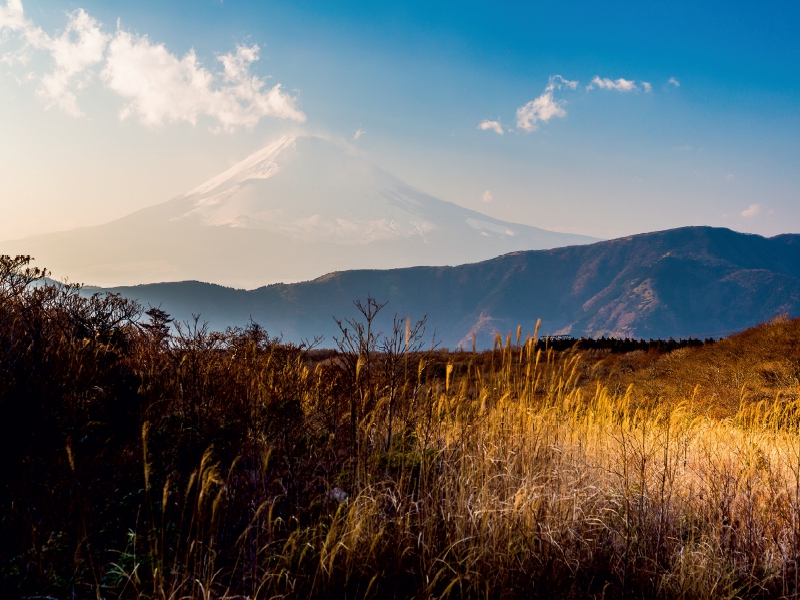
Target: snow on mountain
{"points": [[312, 190], [297, 209]]}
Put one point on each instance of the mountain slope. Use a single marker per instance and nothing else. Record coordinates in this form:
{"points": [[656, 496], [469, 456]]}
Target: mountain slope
{"points": [[300, 207], [681, 282]]}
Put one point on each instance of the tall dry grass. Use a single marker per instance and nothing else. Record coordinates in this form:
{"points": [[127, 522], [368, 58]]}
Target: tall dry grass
{"points": [[191, 464]]}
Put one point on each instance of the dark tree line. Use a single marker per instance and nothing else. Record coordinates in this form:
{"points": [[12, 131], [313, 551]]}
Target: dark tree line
{"points": [[621, 345]]}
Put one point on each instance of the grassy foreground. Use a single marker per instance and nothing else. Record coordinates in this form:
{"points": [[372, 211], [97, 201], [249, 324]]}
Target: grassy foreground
{"points": [[144, 462]]}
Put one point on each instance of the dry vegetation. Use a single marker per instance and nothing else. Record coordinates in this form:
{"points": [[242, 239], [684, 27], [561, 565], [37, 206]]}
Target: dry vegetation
{"points": [[141, 461]]}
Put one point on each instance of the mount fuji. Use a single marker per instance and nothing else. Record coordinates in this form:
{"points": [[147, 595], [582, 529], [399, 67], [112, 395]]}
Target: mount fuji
{"points": [[297, 209]]}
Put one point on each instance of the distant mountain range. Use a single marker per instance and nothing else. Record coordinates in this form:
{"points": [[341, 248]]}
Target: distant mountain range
{"points": [[300, 207], [693, 281]]}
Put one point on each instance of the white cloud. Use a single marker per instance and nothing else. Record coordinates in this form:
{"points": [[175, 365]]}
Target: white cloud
{"points": [[621, 85], [542, 108], [557, 81], [751, 211], [158, 86], [12, 17], [545, 107], [487, 196], [730, 177], [647, 87], [74, 52], [80, 47], [493, 125], [358, 134], [161, 87], [674, 82]]}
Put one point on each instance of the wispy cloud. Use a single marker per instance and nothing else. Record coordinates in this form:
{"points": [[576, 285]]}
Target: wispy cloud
{"points": [[751, 211], [487, 196], [358, 134], [674, 82], [12, 16], [495, 126], [159, 87], [556, 82], [545, 107], [74, 52], [72, 61], [620, 85], [647, 87]]}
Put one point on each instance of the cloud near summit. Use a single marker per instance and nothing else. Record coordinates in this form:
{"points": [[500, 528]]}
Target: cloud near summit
{"points": [[158, 87]]}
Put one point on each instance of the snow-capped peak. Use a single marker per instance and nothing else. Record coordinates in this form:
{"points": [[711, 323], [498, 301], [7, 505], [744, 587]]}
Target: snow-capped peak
{"points": [[260, 165], [311, 189], [300, 207]]}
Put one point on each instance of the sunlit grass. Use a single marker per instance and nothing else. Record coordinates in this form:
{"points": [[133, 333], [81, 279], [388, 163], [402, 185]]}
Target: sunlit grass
{"points": [[192, 464]]}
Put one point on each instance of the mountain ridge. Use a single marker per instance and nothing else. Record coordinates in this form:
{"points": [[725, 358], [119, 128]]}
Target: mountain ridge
{"points": [[673, 283]]}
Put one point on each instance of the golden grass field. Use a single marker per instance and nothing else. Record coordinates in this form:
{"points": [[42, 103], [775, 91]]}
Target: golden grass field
{"points": [[147, 464]]}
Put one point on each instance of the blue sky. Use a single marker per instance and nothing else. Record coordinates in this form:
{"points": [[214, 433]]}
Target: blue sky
{"points": [[720, 148]]}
